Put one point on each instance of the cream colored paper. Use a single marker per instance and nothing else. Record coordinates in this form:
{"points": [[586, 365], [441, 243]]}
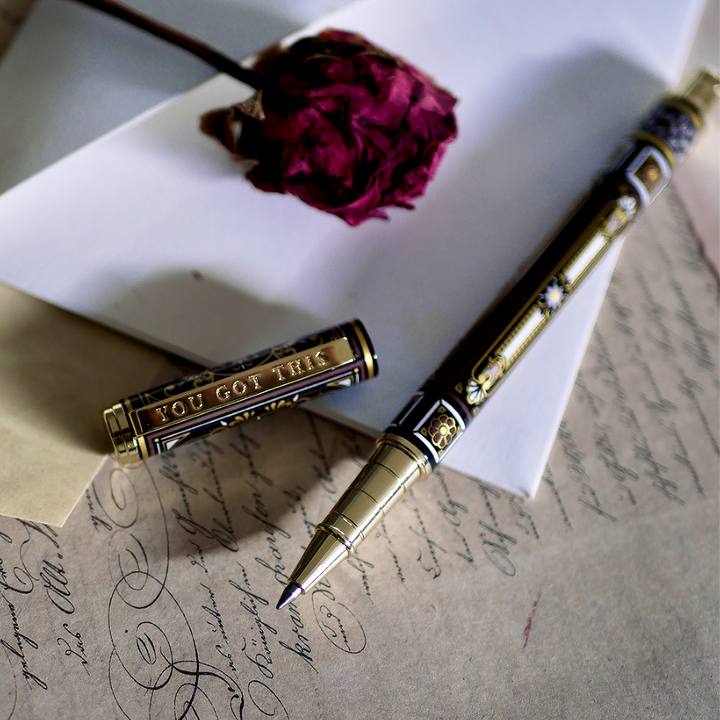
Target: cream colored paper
{"points": [[58, 373], [596, 600]]}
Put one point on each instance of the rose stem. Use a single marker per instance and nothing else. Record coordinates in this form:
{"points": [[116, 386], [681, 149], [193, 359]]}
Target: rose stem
{"points": [[204, 52]]}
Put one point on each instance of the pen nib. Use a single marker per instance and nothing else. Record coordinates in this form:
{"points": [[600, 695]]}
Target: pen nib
{"points": [[289, 594]]}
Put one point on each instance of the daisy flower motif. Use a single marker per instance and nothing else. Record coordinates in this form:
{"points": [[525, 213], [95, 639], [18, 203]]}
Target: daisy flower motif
{"points": [[475, 393], [237, 420], [553, 296], [621, 215], [442, 430], [629, 205]]}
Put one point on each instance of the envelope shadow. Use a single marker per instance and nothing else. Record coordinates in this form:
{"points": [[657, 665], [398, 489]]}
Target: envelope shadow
{"points": [[203, 318]]}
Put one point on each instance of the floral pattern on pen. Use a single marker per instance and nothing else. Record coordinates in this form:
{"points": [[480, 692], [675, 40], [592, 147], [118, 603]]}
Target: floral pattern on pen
{"points": [[552, 297], [442, 430]]}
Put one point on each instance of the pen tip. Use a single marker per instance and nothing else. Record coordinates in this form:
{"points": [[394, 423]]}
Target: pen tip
{"points": [[289, 594]]}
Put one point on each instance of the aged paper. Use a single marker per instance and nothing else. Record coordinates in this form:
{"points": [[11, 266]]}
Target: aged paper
{"points": [[12, 13], [598, 599]]}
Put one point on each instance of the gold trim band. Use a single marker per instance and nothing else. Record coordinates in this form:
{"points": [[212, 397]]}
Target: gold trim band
{"points": [[123, 437], [368, 356]]}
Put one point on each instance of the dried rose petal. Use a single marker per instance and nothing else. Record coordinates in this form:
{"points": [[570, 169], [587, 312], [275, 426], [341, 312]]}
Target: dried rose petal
{"points": [[342, 125]]}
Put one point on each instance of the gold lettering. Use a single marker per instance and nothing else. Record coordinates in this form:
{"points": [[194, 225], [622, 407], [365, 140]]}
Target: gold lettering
{"points": [[255, 381], [163, 413], [196, 402], [222, 393], [239, 387], [179, 408], [309, 362], [278, 372], [295, 368], [322, 360]]}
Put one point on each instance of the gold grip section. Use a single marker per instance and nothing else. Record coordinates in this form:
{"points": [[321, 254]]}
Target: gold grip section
{"points": [[393, 468], [324, 553]]}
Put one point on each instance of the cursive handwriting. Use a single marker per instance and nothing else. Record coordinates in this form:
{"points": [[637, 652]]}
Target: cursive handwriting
{"points": [[427, 553], [74, 647]]}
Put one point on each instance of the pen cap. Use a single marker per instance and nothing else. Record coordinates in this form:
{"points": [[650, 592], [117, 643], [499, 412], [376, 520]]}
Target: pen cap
{"points": [[702, 91], [241, 390]]}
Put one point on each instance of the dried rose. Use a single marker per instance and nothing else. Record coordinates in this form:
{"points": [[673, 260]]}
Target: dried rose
{"points": [[341, 124]]}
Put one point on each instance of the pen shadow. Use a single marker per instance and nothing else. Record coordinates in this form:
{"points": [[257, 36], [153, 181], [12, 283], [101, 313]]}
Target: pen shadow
{"points": [[202, 317], [61, 371], [251, 479]]}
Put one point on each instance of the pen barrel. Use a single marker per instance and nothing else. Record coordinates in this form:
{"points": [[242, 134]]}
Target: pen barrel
{"points": [[439, 413], [240, 390]]}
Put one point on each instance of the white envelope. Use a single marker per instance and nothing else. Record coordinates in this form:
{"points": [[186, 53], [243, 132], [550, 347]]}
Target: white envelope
{"points": [[153, 229]]}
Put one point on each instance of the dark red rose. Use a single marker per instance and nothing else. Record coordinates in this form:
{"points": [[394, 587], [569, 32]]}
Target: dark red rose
{"points": [[341, 124]]}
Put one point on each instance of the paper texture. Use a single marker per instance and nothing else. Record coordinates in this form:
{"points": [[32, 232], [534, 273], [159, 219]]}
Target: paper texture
{"points": [[596, 600], [58, 373], [152, 229]]}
